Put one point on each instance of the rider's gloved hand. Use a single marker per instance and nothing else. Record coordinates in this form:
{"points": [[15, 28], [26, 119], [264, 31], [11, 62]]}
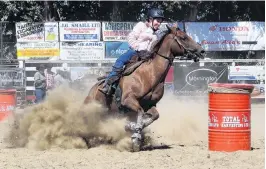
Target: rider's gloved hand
{"points": [[154, 37], [160, 34]]}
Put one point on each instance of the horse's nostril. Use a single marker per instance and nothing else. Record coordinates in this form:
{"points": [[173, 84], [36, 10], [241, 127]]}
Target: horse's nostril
{"points": [[203, 51]]}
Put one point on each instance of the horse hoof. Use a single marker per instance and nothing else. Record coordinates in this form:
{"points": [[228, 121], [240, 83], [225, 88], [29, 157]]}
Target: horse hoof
{"points": [[136, 145], [136, 142], [130, 127]]}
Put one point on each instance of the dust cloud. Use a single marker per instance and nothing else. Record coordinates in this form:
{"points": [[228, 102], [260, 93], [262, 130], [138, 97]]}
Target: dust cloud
{"points": [[63, 121], [182, 121]]}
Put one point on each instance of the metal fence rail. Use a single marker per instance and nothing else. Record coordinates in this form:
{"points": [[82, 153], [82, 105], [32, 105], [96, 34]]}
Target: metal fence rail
{"points": [[99, 67], [13, 76]]}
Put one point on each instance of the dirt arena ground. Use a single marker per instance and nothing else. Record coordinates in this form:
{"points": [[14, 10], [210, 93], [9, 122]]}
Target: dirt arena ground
{"points": [[40, 141]]}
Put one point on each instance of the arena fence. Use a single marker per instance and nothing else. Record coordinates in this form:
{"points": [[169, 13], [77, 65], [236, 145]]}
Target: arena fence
{"points": [[13, 77], [185, 78]]}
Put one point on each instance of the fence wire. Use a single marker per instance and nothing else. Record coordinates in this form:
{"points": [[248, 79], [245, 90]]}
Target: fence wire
{"points": [[7, 40]]}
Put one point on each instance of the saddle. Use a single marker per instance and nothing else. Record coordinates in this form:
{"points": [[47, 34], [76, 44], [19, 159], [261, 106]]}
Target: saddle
{"points": [[132, 65]]}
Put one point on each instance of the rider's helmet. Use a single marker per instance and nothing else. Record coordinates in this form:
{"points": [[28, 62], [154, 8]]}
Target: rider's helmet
{"points": [[155, 13]]}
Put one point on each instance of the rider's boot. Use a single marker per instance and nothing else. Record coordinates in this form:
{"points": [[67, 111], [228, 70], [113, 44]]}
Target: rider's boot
{"points": [[106, 89], [110, 80], [116, 72]]}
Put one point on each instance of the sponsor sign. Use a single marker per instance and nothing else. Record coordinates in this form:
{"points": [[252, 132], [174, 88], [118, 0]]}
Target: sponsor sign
{"points": [[228, 36], [231, 120], [80, 31], [51, 31], [7, 108], [11, 78], [38, 50], [170, 75], [29, 32], [246, 73], [116, 31], [78, 73], [193, 81], [81, 50], [258, 91], [113, 50]]}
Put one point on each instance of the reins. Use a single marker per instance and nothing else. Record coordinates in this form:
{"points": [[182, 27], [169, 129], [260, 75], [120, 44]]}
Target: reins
{"points": [[171, 60]]}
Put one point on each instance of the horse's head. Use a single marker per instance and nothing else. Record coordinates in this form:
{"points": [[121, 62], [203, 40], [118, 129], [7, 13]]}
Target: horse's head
{"points": [[184, 44]]}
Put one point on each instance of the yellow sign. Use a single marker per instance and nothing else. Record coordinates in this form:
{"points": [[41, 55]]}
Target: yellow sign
{"points": [[40, 50], [37, 52], [51, 36]]}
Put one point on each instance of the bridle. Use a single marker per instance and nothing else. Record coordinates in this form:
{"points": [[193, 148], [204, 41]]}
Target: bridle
{"points": [[186, 50], [171, 60], [170, 63]]}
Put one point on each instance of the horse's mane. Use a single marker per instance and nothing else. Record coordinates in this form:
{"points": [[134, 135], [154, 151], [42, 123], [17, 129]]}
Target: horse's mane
{"points": [[155, 47]]}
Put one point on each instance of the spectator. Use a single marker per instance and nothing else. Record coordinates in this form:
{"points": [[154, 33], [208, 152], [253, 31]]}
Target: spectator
{"points": [[40, 84], [49, 75], [61, 77]]}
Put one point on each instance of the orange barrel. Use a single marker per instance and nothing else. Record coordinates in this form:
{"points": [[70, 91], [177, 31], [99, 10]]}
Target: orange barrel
{"points": [[7, 103], [229, 117]]}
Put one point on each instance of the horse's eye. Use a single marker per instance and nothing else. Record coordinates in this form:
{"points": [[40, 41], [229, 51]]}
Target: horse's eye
{"points": [[183, 38]]}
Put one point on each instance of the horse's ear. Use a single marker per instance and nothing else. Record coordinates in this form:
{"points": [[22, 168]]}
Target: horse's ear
{"points": [[169, 29], [175, 25]]}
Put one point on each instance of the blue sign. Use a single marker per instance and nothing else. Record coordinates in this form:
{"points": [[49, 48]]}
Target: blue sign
{"points": [[115, 49]]}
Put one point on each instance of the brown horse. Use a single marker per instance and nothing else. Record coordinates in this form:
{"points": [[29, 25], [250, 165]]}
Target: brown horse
{"points": [[141, 90]]}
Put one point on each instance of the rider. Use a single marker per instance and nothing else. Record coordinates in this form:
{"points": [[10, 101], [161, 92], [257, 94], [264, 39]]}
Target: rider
{"points": [[140, 39]]}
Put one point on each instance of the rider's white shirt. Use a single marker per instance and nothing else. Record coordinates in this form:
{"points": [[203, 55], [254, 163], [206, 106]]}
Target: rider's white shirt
{"points": [[141, 37]]}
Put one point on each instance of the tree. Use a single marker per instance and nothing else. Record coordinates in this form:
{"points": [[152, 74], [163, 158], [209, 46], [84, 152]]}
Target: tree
{"points": [[39, 11]]}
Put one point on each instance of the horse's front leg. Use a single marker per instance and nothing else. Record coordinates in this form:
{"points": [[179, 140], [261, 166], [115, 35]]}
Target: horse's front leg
{"points": [[132, 103], [152, 113], [150, 116]]}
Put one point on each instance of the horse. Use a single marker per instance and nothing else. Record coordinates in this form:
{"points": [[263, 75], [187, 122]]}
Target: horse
{"points": [[138, 92]]}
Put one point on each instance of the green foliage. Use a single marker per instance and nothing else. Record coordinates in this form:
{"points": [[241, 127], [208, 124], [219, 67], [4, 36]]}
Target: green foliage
{"points": [[40, 11], [131, 10]]}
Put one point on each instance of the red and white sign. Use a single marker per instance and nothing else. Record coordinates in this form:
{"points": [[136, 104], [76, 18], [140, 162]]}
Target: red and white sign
{"points": [[229, 120], [80, 31], [170, 75], [116, 31], [246, 73], [228, 36]]}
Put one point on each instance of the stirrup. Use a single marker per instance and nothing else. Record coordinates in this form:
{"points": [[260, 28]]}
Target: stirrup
{"points": [[108, 92]]}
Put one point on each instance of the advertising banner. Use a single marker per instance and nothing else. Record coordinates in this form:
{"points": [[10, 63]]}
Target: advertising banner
{"points": [[80, 31], [258, 91], [51, 31], [193, 81], [116, 31], [81, 50], [115, 49], [78, 73], [170, 75], [246, 73], [38, 50], [29, 32], [228, 36], [11, 78]]}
